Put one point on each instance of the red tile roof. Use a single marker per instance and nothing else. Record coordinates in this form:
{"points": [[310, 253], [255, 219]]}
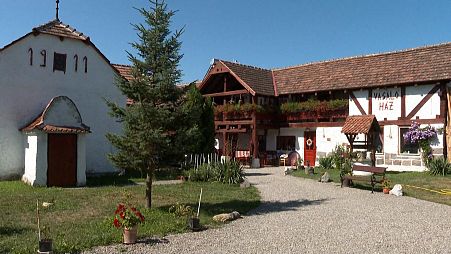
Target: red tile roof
{"points": [[124, 70], [258, 79], [359, 124], [58, 28], [431, 63], [423, 64]]}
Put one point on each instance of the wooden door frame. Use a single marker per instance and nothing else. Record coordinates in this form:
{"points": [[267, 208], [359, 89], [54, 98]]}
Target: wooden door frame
{"points": [[75, 151], [312, 163]]}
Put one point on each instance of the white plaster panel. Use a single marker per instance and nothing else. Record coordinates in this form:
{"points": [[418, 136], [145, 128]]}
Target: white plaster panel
{"points": [[362, 98], [391, 139], [329, 137], [386, 103], [81, 159], [87, 90], [414, 94], [31, 150], [41, 161], [62, 112]]}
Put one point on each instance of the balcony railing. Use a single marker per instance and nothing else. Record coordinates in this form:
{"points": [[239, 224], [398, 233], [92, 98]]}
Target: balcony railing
{"points": [[316, 115]]}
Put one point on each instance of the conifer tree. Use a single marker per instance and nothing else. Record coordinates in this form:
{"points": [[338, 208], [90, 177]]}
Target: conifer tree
{"points": [[149, 122]]}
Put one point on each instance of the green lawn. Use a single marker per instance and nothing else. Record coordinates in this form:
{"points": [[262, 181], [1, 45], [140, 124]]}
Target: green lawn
{"points": [[82, 217], [417, 179]]}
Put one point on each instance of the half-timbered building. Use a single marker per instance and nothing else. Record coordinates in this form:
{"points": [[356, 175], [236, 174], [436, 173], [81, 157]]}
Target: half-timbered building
{"points": [[262, 113]]}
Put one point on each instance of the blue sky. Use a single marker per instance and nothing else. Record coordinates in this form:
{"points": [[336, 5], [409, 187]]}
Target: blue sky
{"points": [[268, 34]]}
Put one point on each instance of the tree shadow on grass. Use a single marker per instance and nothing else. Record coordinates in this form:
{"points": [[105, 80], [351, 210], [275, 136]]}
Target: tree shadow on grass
{"points": [[10, 230], [250, 208]]}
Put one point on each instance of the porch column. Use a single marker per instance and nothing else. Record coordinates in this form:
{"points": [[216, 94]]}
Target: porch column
{"points": [[255, 159]]}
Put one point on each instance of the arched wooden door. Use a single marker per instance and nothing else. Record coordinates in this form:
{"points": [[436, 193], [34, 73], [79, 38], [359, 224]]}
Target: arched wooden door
{"points": [[62, 160], [309, 148]]}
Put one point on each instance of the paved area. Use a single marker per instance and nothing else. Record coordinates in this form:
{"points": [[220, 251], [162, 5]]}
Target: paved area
{"points": [[304, 216]]}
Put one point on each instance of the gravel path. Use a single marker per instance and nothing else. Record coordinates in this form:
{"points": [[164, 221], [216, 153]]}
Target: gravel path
{"points": [[303, 216]]}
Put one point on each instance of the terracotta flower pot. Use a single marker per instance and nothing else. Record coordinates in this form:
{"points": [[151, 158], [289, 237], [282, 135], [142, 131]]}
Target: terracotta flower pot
{"points": [[130, 235], [386, 190]]}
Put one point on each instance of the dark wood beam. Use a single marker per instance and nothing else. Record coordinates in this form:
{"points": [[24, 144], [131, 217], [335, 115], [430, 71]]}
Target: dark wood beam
{"points": [[235, 92], [242, 122], [357, 103], [409, 121], [403, 102], [370, 101], [423, 101], [242, 130], [315, 124]]}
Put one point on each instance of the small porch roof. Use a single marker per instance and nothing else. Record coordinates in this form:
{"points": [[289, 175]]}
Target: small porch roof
{"points": [[363, 124], [48, 122]]}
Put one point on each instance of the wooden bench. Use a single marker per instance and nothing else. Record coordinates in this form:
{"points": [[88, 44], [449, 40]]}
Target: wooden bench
{"points": [[377, 175]]}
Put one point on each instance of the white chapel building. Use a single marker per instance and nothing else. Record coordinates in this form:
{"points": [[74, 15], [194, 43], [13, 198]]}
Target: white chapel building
{"points": [[53, 117]]}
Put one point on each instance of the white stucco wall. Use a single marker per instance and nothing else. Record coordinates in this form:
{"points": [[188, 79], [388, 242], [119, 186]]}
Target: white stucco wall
{"points": [[414, 94], [25, 91], [81, 159], [31, 152], [35, 159], [329, 137]]}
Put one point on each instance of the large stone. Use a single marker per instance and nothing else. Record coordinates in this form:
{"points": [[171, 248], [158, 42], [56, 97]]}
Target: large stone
{"points": [[245, 184], [325, 177]]}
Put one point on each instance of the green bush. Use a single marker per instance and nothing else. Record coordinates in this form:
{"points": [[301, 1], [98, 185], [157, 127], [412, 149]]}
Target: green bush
{"points": [[439, 166], [230, 172], [337, 104], [326, 162]]}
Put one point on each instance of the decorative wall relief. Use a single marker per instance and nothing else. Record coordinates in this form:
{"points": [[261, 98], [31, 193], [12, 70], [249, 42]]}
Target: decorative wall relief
{"points": [[44, 58], [30, 50]]}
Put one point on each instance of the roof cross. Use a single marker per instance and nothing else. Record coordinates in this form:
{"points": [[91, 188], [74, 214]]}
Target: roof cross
{"points": [[57, 9]]}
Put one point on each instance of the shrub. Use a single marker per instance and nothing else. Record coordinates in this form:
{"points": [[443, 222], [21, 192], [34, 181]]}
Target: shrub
{"points": [[290, 107], [439, 166], [337, 104], [326, 162], [230, 172], [249, 107]]}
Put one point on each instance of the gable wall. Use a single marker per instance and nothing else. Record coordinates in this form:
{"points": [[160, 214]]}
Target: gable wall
{"points": [[25, 91]]}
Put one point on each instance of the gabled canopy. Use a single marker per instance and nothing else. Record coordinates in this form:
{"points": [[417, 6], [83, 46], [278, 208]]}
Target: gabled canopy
{"points": [[360, 125], [59, 116]]}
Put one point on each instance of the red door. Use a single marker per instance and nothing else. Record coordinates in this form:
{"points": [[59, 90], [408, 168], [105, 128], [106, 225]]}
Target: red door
{"points": [[62, 160], [309, 148]]}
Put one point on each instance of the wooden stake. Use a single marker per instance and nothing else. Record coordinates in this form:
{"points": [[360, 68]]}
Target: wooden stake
{"points": [[198, 207]]}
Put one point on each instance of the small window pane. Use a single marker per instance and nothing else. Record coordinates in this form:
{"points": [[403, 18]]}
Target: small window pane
{"points": [[59, 62]]}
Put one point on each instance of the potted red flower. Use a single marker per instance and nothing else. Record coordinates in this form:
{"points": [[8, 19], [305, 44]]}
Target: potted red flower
{"points": [[128, 218]]}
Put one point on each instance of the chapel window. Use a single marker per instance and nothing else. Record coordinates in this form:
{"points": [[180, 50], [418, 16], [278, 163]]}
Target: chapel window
{"points": [[59, 62]]}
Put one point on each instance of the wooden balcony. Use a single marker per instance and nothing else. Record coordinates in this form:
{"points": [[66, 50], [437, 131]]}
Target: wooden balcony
{"points": [[320, 115]]}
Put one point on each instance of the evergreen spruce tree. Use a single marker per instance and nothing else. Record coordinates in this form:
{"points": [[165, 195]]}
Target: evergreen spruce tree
{"points": [[197, 115], [149, 122]]}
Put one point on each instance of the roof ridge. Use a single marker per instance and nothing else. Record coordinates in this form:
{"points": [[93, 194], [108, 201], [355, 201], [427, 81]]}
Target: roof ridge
{"points": [[245, 65], [124, 65], [56, 22], [364, 56]]}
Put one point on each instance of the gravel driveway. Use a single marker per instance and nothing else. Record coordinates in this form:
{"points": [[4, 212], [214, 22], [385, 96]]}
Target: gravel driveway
{"points": [[303, 216]]}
